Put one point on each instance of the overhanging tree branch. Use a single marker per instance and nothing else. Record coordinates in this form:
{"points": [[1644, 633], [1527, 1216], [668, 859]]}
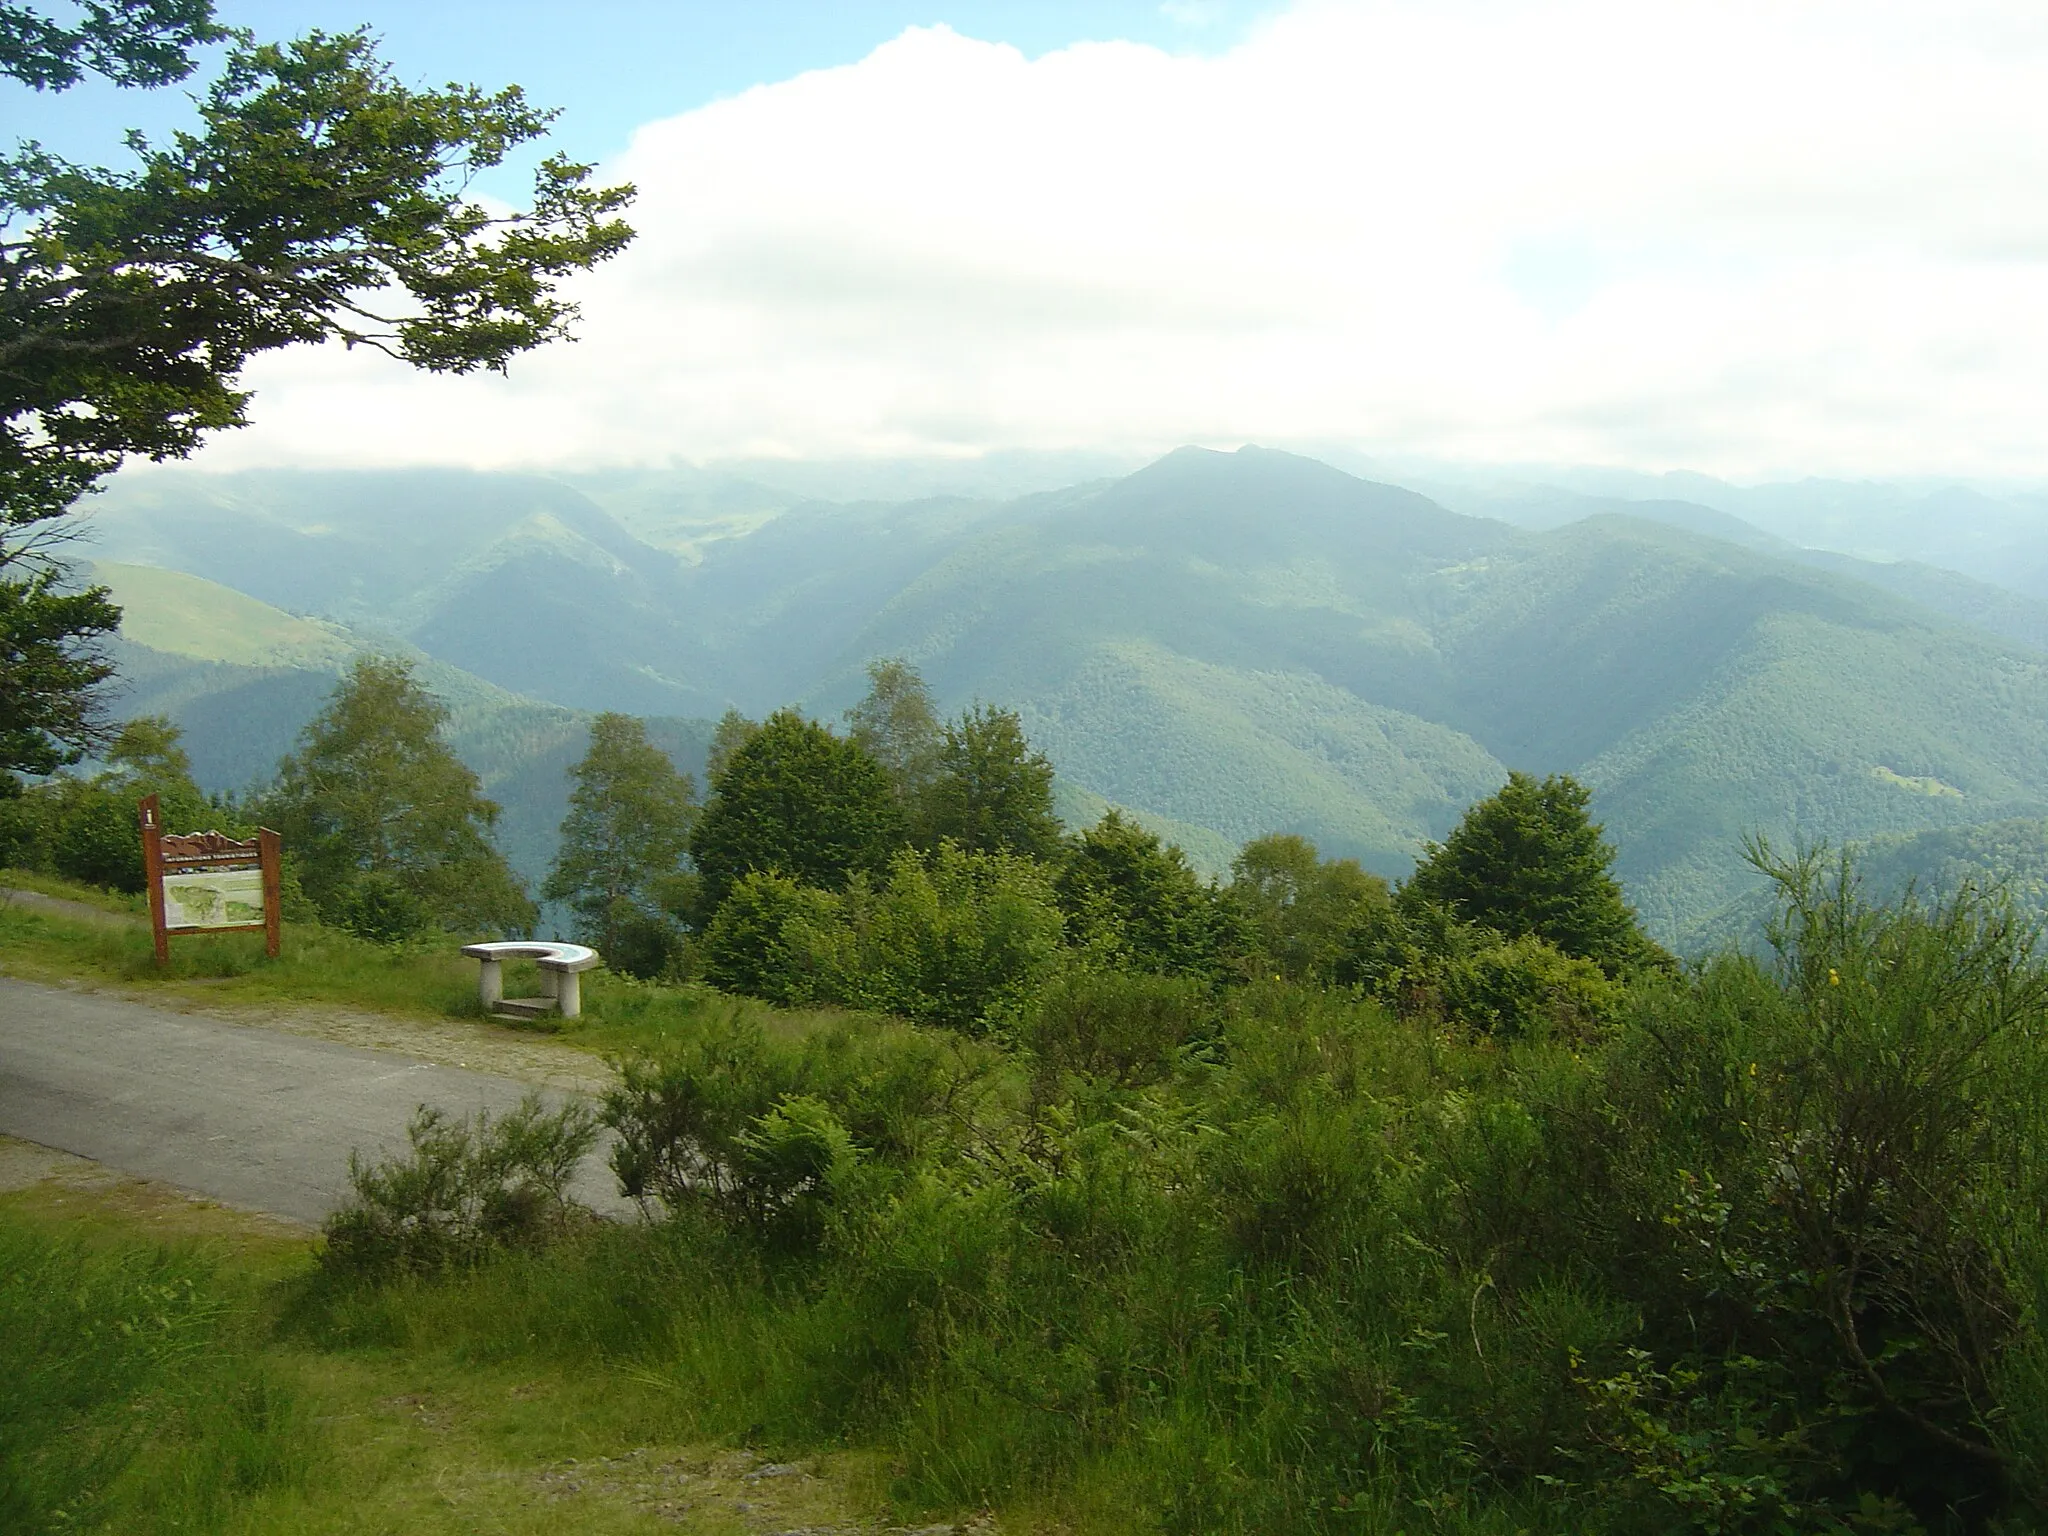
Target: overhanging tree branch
{"points": [[319, 199]]}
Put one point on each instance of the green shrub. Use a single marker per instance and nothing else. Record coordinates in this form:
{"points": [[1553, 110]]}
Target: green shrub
{"points": [[1748, 1249], [98, 843], [1117, 1027], [794, 1161], [1825, 1165], [764, 940], [959, 939], [467, 1188], [1527, 988], [730, 1125], [379, 907], [26, 819], [643, 944]]}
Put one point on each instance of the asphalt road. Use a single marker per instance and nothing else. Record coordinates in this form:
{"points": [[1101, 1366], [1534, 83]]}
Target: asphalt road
{"points": [[246, 1116]]}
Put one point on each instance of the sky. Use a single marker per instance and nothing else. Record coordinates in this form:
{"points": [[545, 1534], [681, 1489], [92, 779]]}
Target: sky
{"points": [[1756, 238]]}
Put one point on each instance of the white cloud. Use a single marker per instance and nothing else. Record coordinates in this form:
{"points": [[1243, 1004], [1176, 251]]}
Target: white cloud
{"points": [[1742, 235]]}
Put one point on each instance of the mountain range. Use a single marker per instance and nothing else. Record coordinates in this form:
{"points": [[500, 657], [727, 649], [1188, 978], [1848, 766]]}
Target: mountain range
{"points": [[1224, 643]]}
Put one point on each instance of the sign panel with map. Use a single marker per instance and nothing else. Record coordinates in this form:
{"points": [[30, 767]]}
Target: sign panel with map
{"points": [[207, 882], [219, 899]]}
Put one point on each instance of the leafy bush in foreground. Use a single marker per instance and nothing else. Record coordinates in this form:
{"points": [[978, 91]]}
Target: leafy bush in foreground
{"points": [[468, 1187], [1763, 1253]]}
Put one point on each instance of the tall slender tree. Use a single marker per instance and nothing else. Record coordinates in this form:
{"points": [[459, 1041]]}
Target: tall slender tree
{"points": [[990, 792], [897, 725], [627, 831], [389, 827], [733, 731]]}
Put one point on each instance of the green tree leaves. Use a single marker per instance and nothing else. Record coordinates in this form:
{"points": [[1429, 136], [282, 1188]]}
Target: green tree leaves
{"points": [[800, 801], [320, 199], [1529, 860], [897, 725], [989, 791], [130, 42], [973, 781], [628, 830], [1136, 903], [373, 791], [1310, 918], [50, 665]]}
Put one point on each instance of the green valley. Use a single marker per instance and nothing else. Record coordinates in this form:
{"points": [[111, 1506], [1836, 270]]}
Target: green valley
{"points": [[1225, 644]]}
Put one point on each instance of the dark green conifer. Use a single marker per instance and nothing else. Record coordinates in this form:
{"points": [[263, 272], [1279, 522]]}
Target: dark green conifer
{"points": [[1529, 860]]}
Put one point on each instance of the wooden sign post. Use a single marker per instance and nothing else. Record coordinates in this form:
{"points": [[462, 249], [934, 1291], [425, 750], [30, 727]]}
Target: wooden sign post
{"points": [[203, 882]]}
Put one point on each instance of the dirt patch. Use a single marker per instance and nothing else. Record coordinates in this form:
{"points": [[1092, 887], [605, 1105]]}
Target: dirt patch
{"points": [[729, 1489], [24, 1164]]}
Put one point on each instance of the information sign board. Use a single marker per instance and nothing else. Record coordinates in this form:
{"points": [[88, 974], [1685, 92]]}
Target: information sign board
{"points": [[214, 899], [206, 882]]}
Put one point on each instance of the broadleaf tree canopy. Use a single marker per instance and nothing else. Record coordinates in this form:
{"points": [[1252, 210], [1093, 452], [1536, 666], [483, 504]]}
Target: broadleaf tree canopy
{"points": [[374, 801], [795, 800], [318, 199]]}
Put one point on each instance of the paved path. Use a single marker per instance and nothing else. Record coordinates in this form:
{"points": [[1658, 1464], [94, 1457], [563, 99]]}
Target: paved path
{"points": [[250, 1117]]}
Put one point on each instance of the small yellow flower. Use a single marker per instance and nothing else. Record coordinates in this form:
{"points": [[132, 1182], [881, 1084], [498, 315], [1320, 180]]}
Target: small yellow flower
{"points": [[1834, 977], [1752, 1069]]}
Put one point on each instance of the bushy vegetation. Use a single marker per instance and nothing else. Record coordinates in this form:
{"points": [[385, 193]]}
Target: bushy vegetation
{"points": [[85, 829], [1291, 1202], [1515, 925], [1751, 1248], [466, 1189], [960, 938]]}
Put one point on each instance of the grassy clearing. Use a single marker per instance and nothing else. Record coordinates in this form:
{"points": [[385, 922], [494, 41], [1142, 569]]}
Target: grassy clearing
{"points": [[322, 966], [178, 1367], [70, 890]]}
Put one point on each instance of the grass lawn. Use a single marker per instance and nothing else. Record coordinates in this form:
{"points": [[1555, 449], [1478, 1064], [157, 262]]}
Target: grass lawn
{"points": [[181, 1366], [262, 1416], [325, 967]]}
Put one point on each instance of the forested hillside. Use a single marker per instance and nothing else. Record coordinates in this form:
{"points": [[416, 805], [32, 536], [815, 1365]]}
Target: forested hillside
{"points": [[1227, 644], [242, 678]]}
